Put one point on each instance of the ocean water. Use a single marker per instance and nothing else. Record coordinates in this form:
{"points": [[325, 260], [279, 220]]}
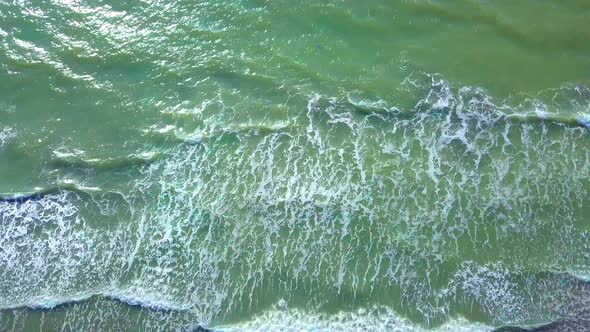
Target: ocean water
{"points": [[251, 165]]}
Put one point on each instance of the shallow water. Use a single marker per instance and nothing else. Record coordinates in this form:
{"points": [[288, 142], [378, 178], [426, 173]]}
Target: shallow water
{"points": [[325, 166]]}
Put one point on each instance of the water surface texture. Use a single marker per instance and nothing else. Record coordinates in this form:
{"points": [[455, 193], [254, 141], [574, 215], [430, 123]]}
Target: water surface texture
{"points": [[255, 165]]}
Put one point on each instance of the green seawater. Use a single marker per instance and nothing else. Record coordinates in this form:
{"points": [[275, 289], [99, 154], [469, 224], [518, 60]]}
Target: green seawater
{"points": [[337, 165]]}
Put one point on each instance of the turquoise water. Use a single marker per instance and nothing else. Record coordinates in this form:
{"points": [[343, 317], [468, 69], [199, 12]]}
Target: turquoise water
{"points": [[298, 166]]}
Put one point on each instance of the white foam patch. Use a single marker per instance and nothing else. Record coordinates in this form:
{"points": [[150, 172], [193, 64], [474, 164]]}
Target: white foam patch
{"points": [[344, 204], [584, 118], [369, 105], [25, 258], [7, 134], [493, 288], [51, 254]]}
